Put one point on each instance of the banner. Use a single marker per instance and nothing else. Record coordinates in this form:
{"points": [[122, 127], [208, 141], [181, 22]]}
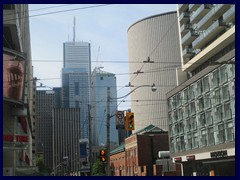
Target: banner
{"points": [[13, 77]]}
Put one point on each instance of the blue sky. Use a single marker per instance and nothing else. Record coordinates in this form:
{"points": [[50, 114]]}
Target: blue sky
{"points": [[104, 27]]}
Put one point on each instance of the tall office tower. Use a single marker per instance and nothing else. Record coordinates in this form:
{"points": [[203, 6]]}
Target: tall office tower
{"points": [[153, 39], [18, 92], [44, 108], [202, 108], [57, 97], [101, 80], [76, 80], [65, 138]]}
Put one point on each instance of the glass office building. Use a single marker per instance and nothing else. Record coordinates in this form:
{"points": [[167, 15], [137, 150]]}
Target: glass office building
{"points": [[201, 110]]}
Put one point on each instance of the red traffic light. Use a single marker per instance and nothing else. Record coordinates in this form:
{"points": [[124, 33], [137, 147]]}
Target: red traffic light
{"points": [[102, 155], [102, 152]]}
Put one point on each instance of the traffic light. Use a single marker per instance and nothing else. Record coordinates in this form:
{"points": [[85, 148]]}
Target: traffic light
{"points": [[130, 121], [102, 155]]}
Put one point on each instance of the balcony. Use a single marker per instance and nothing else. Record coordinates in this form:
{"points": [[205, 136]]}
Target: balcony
{"points": [[200, 13], [215, 13], [209, 35], [188, 53], [189, 37], [229, 16], [194, 7], [184, 17], [185, 28], [11, 30], [182, 7]]}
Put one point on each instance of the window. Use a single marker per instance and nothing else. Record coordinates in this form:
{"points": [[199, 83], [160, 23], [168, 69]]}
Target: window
{"points": [[215, 79], [207, 101], [182, 143], [221, 134], [192, 108], [189, 141], [202, 120], [223, 74], [217, 97], [186, 111], [211, 139], [178, 100], [180, 114], [178, 145], [188, 125], [230, 131], [206, 86], [195, 140], [76, 88], [185, 95], [218, 114], [191, 92], [203, 138], [200, 104], [225, 93], [101, 78], [199, 88], [172, 145], [193, 122], [227, 111]]}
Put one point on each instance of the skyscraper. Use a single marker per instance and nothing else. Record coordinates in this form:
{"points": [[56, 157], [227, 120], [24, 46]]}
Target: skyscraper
{"points": [[44, 107], [76, 80], [100, 81]]}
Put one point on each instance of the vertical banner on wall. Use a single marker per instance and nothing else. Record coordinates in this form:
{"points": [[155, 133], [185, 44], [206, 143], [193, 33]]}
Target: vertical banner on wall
{"points": [[13, 76]]}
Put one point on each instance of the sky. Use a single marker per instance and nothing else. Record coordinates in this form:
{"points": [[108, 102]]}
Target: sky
{"points": [[104, 27]]}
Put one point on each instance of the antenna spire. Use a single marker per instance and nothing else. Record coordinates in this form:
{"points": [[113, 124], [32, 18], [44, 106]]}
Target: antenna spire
{"points": [[74, 29]]}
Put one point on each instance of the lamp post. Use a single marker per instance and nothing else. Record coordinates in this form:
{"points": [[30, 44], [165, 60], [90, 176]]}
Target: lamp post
{"points": [[109, 117]]}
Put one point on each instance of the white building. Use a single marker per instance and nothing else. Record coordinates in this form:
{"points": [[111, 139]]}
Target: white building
{"points": [[155, 37]]}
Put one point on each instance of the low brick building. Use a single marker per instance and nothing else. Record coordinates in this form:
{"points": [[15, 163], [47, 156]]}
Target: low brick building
{"points": [[138, 155]]}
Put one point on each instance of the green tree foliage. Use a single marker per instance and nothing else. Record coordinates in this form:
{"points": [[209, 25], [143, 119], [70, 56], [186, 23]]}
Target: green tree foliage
{"points": [[42, 168], [98, 168]]}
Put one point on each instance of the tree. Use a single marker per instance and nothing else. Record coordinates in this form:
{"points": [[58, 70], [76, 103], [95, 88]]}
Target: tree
{"points": [[42, 168], [98, 168]]}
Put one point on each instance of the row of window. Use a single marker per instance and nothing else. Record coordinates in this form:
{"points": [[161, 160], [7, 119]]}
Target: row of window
{"points": [[212, 135], [222, 83], [220, 112]]}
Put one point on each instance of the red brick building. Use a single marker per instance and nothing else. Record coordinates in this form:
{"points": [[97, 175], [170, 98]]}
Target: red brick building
{"points": [[138, 155]]}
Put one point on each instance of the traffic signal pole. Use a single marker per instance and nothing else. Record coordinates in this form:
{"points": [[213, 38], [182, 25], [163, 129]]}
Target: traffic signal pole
{"points": [[108, 133], [108, 170]]}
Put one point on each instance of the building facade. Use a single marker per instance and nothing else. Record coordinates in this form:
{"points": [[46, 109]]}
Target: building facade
{"points": [[18, 93], [138, 155], [44, 107], [202, 108], [66, 140], [76, 80], [153, 42], [100, 81]]}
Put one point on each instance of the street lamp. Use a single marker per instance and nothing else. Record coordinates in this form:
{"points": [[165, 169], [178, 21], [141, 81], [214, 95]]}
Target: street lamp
{"points": [[153, 87]]}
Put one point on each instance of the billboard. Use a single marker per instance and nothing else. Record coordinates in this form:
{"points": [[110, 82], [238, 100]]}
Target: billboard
{"points": [[13, 76]]}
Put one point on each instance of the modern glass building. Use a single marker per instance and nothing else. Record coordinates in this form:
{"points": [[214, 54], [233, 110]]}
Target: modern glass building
{"points": [[76, 80], [201, 110], [100, 81]]}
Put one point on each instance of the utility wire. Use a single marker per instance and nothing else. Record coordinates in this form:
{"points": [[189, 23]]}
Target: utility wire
{"points": [[88, 7]]}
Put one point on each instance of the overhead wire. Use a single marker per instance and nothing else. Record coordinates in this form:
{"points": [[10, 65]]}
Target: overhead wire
{"points": [[55, 12]]}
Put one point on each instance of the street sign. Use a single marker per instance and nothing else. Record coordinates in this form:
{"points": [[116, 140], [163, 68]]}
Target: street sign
{"points": [[120, 118]]}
